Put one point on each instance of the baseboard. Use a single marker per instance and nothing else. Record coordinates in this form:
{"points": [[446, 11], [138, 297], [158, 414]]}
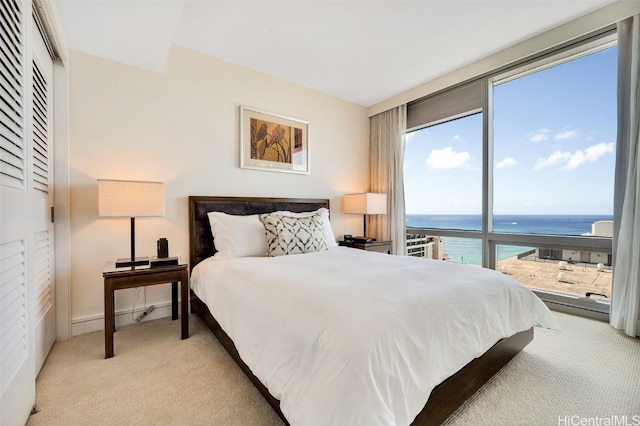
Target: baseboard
{"points": [[96, 323]]}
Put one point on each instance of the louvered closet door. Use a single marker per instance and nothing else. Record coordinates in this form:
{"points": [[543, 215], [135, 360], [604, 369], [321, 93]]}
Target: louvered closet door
{"points": [[41, 284], [27, 314], [17, 373]]}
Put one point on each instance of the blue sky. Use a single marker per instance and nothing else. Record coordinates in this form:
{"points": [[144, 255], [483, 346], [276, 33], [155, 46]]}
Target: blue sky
{"points": [[554, 147]]}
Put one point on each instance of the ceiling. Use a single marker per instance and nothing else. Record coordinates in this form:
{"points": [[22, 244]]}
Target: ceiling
{"points": [[360, 51]]}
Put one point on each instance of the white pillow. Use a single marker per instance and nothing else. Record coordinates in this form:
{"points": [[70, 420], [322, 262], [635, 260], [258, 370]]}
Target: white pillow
{"points": [[237, 236], [329, 237]]}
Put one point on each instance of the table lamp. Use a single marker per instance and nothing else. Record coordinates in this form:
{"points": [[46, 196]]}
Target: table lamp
{"points": [[125, 198], [364, 204]]}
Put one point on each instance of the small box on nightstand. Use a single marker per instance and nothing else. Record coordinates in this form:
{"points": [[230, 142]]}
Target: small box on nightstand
{"points": [[379, 246], [158, 262]]}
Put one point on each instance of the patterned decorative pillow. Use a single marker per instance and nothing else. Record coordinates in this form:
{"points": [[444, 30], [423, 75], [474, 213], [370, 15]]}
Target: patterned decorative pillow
{"points": [[293, 235]]}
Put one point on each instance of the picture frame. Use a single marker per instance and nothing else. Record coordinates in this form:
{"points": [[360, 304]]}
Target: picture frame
{"points": [[273, 142]]}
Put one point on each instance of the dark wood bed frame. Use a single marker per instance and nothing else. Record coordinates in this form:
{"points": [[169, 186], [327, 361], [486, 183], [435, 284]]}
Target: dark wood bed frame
{"points": [[444, 399]]}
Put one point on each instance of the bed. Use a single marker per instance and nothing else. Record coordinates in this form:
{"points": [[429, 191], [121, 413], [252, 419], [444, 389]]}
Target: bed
{"points": [[437, 404]]}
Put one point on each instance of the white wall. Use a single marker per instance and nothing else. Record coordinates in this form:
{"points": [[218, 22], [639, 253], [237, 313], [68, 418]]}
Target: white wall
{"points": [[181, 127]]}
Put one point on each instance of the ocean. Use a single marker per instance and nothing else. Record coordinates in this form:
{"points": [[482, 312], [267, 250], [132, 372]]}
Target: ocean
{"points": [[468, 250]]}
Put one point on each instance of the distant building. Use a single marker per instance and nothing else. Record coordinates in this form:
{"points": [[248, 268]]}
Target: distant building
{"points": [[574, 256], [601, 228], [424, 246]]}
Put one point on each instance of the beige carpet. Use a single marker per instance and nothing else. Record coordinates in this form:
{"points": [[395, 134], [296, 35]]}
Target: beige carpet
{"points": [[586, 371]]}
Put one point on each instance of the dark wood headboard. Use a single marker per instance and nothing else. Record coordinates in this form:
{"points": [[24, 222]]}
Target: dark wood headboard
{"points": [[201, 243]]}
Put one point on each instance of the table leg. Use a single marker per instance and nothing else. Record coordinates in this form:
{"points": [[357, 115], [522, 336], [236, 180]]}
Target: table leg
{"points": [[174, 300], [114, 311], [108, 318], [184, 295]]}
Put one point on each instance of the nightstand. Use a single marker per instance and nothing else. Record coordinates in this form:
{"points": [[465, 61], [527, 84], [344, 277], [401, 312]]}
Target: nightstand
{"points": [[140, 276], [379, 246]]}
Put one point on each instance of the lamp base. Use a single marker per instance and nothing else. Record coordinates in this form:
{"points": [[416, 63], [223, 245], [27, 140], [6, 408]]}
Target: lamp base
{"points": [[126, 262]]}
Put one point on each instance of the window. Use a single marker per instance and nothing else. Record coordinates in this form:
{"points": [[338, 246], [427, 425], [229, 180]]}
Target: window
{"points": [[444, 163], [554, 132], [539, 207]]}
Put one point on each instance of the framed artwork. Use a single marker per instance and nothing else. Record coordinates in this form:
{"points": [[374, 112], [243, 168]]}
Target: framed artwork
{"points": [[273, 142]]}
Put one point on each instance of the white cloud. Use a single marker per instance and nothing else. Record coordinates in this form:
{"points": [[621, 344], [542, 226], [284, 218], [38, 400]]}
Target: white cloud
{"points": [[577, 159], [540, 135], [457, 138], [589, 155], [567, 134], [447, 158], [552, 160], [507, 162]]}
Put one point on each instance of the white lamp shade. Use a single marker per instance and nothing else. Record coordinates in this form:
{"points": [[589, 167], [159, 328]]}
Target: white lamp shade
{"points": [[122, 198], [367, 203]]}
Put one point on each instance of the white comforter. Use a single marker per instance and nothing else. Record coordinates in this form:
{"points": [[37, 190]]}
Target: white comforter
{"points": [[348, 337]]}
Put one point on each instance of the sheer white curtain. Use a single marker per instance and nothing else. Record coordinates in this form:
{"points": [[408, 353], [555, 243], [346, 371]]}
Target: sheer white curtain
{"points": [[387, 131], [625, 303]]}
